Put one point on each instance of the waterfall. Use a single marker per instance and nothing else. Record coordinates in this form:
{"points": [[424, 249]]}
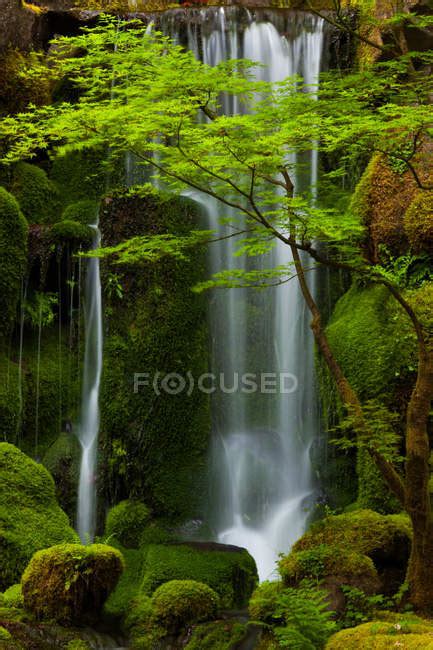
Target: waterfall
{"points": [[89, 420], [262, 485]]}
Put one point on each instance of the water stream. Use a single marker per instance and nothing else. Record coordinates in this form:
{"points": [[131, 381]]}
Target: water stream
{"points": [[262, 484], [89, 420]]}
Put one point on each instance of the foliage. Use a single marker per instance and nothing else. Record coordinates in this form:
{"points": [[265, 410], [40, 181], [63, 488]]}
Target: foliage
{"points": [[13, 256], [263, 601], [37, 195], [216, 635], [39, 308], [231, 573], [30, 518], [69, 582], [24, 79], [360, 607], [181, 602], [126, 521], [308, 620]]}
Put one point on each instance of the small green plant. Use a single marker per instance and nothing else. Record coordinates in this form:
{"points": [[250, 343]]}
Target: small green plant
{"points": [[113, 286], [39, 309], [307, 617], [360, 607]]}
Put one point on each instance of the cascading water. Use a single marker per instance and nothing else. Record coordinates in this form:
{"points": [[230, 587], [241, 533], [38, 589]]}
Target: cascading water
{"points": [[263, 481], [89, 421]]}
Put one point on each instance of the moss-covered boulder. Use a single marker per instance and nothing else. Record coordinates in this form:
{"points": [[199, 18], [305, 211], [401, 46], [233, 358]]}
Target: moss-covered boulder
{"points": [[418, 222], [84, 212], [13, 258], [183, 602], [221, 635], [229, 570], [72, 232], [30, 518], [408, 632], [37, 195], [362, 549], [62, 460], [70, 582], [126, 522]]}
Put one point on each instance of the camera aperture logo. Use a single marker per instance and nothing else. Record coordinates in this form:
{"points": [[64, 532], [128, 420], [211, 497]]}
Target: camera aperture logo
{"points": [[247, 383]]}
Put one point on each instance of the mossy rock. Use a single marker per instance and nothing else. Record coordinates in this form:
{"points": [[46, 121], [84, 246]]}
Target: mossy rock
{"points": [[418, 222], [354, 549], [217, 635], [13, 258], [400, 632], [263, 601], [62, 460], [229, 570], [37, 195], [70, 582], [24, 79], [13, 596], [84, 212], [126, 521], [178, 603], [30, 518], [81, 176], [72, 232]]}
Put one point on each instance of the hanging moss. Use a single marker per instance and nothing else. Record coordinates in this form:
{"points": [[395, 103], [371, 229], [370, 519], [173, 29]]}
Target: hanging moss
{"points": [[13, 254], [30, 518], [37, 195], [70, 582], [155, 324]]}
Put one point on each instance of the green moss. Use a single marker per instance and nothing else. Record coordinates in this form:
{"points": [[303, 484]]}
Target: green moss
{"points": [[183, 602], [78, 644], [70, 582], [5, 635], [126, 521], [30, 518], [372, 340], [231, 573], [325, 560], [13, 596], [13, 258], [403, 631], [80, 176], [37, 195], [62, 460], [360, 202], [363, 531], [72, 232], [418, 222], [83, 212], [263, 601], [24, 79], [120, 601], [218, 635], [158, 326]]}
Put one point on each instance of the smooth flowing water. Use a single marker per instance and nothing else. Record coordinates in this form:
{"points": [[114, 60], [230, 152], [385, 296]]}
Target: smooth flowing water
{"points": [[262, 485], [89, 419]]}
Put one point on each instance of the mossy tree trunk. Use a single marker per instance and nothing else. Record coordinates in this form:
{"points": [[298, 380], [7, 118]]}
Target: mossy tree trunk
{"points": [[417, 497]]}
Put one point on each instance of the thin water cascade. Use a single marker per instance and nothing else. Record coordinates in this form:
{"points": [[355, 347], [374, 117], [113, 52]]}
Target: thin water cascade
{"points": [[262, 477], [89, 420]]}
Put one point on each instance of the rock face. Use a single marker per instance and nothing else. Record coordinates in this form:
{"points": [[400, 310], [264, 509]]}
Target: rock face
{"points": [[30, 518], [18, 26]]}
